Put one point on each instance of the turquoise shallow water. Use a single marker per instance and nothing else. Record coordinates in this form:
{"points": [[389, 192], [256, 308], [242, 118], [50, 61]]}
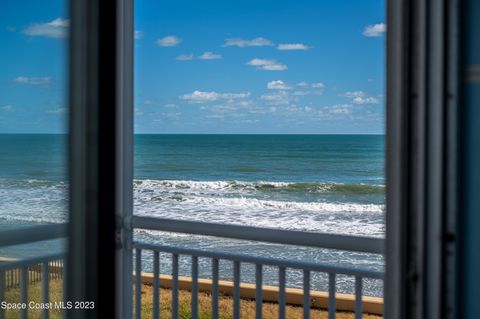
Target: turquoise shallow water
{"points": [[318, 183]]}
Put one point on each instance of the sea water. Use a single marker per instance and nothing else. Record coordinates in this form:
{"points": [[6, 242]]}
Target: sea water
{"points": [[315, 183]]}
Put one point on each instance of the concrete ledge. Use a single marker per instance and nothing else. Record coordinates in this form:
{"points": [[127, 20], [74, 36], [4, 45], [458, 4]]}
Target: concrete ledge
{"points": [[294, 296]]}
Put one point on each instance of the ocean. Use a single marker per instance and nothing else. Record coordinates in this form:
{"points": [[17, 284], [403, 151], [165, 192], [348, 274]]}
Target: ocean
{"points": [[316, 183]]}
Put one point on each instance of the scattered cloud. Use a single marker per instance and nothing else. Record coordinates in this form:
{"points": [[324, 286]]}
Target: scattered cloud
{"points": [[375, 30], [169, 41], [292, 47], [276, 98], [267, 65], [308, 92], [184, 57], [57, 29], [138, 34], [317, 85], [210, 56], [305, 88], [354, 94], [201, 96], [241, 43], [365, 100], [278, 85], [359, 97], [7, 108], [36, 81], [60, 110], [339, 109]]}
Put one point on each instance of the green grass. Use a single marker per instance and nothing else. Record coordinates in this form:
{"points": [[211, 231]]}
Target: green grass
{"points": [[247, 307]]}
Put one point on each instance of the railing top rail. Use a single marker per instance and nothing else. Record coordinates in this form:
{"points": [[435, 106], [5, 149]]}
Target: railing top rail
{"points": [[30, 234], [287, 263], [277, 236]]}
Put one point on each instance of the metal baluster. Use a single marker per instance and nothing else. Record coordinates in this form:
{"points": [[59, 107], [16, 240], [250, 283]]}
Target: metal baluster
{"points": [[156, 284], [331, 296], [358, 297], [194, 287], [258, 291], [24, 291], [281, 293], [138, 283], [45, 293], [215, 288], [236, 290], [306, 294], [175, 286], [2, 291]]}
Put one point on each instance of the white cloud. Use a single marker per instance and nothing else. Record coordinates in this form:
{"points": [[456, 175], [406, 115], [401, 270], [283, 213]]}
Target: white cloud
{"points": [[60, 110], [278, 85], [57, 29], [293, 46], [309, 92], [316, 88], [365, 100], [7, 108], [241, 43], [169, 41], [339, 109], [267, 65], [38, 81], [375, 30], [354, 94], [210, 56], [184, 57], [317, 85], [138, 34], [201, 96], [359, 97], [277, 98]]}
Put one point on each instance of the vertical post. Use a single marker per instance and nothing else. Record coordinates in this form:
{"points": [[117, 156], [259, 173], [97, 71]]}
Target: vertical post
{"points": [[156, 285], [215, 288], [175, 286], [194, 298], [2, 291], [281, 292], [124, 155], [236, 290], [24, 290], [258, 291], [332, 301], [306, 294], [45, 290], [99, 263], [358, 297], [138, 284]]}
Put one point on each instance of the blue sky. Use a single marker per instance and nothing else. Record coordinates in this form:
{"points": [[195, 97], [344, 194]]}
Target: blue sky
{"points": [[212, 66]]}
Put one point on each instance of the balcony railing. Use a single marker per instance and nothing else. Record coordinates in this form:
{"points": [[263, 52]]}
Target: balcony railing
{"points": [[329, 241], [18, 274]]}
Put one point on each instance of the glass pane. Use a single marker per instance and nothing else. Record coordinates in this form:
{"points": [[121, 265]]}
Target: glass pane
{"points": [[33, 119], [266, 114]]}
